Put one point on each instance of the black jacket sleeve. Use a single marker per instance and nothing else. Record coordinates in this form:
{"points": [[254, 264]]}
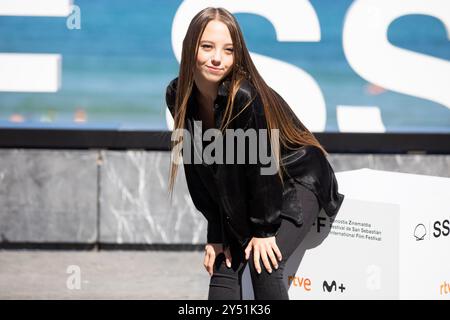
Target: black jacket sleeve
{"points": [[204, 203], [200, 195], [265, 191]]}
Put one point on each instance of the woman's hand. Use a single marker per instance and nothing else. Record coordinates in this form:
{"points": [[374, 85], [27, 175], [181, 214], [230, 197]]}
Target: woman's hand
{"points": [[212, 250], [265, 248]]}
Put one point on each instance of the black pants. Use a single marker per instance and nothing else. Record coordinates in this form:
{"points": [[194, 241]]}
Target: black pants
{"points": [[225, 283]]}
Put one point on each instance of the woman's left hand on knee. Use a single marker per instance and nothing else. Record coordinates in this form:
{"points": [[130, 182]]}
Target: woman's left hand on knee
{"points": [[267, 249]]}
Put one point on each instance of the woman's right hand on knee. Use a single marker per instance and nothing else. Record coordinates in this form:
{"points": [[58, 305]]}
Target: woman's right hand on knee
{"points": [[212, 250]]}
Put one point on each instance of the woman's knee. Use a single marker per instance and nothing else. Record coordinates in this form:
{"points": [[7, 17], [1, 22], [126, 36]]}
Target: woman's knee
{"points": [[268, 285]]}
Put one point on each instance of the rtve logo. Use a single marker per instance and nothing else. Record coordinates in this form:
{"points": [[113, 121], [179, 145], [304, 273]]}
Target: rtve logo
{"points": [[301, 282], [440, 229], [445, 288], [330, 287]]}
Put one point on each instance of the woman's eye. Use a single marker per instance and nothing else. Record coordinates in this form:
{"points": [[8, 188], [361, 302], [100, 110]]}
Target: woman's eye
{"points": [[206, 46], [230, 49]]}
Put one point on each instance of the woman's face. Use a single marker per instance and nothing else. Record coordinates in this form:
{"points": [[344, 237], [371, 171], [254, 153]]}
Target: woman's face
{"points": [[215, 53]]}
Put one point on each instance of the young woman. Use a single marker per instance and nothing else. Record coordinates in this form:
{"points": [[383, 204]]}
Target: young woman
{"points": [[253, 215]]}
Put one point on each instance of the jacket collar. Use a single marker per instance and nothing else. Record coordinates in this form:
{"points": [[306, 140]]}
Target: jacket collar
{"points": [[222, 92]]}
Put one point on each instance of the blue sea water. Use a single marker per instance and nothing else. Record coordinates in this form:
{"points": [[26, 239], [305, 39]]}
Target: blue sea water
{"points": [[117, 66]]}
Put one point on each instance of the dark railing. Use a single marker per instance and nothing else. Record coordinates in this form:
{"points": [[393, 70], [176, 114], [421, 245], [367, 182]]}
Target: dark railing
{"points": [[334, 142]]}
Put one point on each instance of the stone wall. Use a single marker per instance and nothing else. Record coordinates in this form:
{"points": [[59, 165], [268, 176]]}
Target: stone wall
{"points": [[120, 197]]}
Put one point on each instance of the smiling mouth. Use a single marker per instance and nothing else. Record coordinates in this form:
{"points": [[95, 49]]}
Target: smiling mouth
{"points": [[215, 69]]}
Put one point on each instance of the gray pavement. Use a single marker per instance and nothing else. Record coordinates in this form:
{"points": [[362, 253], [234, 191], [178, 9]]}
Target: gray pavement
{"points": [[56, 274]]}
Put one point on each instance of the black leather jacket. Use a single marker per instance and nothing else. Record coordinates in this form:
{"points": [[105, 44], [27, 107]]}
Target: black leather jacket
{"points": [[235, 198]]}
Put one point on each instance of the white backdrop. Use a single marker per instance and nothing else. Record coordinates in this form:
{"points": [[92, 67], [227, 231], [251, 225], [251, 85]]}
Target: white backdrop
{"points": [[390, 240]]}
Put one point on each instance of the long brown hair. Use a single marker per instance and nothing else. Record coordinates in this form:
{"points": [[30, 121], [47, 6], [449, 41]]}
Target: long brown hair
{"points": [[292, 132]]}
